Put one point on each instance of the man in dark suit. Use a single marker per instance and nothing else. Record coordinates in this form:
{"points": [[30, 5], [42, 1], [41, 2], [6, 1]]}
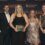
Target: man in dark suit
{"points": [[4, 25]]}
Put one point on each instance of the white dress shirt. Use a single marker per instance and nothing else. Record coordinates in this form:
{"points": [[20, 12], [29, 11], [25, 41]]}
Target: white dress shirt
{"points": [[7, 16]]}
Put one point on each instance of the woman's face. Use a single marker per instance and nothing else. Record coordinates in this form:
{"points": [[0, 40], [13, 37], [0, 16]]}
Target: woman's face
{"points": [[19, 8], [43, 8], [32, 13]]}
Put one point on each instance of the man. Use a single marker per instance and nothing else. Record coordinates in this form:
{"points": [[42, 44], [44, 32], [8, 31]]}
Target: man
{"points": [[42, 18], [4, 22]]}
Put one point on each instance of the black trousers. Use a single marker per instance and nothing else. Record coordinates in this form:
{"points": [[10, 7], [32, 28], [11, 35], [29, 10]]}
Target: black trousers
{"points": [[1, 39], [7, 38], [18, 38]]}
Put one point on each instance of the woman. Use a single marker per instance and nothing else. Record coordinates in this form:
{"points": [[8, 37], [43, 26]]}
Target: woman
{"points": [[33, 29], [19, 23], [42, 18]]}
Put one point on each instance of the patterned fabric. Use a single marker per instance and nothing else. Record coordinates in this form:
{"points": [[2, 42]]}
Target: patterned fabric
{"points": [[33, 33], [19, 27]]}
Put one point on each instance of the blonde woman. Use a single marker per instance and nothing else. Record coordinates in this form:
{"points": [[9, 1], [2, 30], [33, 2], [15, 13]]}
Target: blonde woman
{"points": [[19, 23], [33, 29]]}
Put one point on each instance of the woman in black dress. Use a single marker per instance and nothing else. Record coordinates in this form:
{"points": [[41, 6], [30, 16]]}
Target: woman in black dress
{"points": [[42, 18], [19, 23]]}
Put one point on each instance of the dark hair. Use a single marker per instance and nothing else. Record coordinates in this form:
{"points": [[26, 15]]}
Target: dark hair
{"points": [[5, 5], [32, 10], [42, 6], [43, 3]]}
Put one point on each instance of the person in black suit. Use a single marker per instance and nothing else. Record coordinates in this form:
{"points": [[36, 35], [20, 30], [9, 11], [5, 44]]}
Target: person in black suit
{"points": [[4, 25]]}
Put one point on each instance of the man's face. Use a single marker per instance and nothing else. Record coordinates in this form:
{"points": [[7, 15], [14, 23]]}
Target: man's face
{"points": [[6, 8], [43, 8]]}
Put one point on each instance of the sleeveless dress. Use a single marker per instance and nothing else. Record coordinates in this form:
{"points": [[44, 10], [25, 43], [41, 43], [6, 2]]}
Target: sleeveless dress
{"points": [[33, 33], [18, 37], [19, 23]]}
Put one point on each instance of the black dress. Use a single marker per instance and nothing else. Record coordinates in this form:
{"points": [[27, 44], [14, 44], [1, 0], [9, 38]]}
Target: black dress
{"points": [[18, 37], [42, 36]]}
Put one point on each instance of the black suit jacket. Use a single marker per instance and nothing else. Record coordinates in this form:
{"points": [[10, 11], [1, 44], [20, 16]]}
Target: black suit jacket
{"points": [[4, 26]]}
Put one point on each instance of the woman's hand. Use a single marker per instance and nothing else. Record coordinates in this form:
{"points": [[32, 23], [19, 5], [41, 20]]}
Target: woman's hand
{"points": [[15, 29], [24, 30], [44, 31]]}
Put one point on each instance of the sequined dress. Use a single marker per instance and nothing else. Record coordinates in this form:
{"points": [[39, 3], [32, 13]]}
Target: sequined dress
{"points": [[33, 33]]}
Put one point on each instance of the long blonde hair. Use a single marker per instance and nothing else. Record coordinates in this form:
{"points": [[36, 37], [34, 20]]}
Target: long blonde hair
{"points": [[16, 9]]}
